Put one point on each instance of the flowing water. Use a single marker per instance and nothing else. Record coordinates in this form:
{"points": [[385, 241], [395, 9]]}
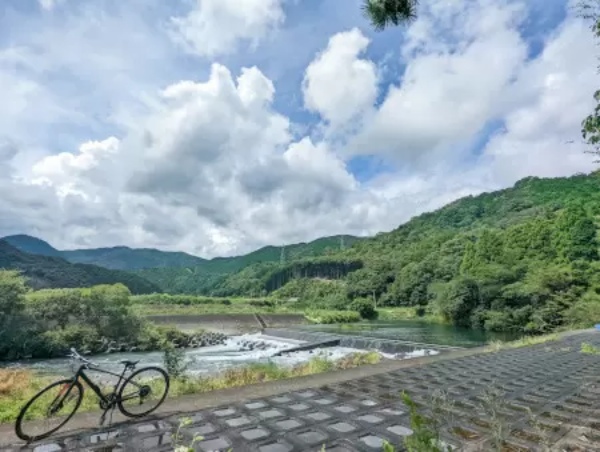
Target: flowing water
{"points": [[200, 361], [212, 360], [415, 331]]}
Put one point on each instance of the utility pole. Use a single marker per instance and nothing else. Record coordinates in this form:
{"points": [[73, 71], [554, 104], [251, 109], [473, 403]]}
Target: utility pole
{"points": [[342, 243], [282, 256]]}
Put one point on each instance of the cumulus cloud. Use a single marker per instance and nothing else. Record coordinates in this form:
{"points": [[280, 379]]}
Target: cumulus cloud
{"points": [[338, 84], [209, 163], [459, 62], [216, 27]]}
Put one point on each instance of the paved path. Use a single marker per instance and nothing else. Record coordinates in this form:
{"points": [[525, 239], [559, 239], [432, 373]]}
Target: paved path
{"points": [[545, 394]]}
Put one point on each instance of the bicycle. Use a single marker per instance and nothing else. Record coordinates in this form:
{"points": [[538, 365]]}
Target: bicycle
{"points": [[71, 390]]}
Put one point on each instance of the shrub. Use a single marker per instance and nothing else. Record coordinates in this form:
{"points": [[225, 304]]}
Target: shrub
{"points": [[174, 361], [364, 307]]}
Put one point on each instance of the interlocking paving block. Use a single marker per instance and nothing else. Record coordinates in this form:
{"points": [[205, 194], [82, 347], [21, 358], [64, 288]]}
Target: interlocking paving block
{"points": [[324, 401], [345, 409], [299, 406], [224, 412], [145, 428], [400, 430], [372, 441], [281, 399], [342, 427], [103, 436], [270, 414], [238, 421], [370, 419], [255, 433], [255, 405], [317, 416], [279, 446], [51, 447], [288, 424], [306, 394], [152, 442], [214, 444], [312, 437], [202, 430]]}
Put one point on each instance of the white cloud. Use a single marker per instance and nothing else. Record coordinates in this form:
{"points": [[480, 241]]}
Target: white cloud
{"points": [[208, 164], [453, 85], [49, 4], [338, 84], [216, 27]]}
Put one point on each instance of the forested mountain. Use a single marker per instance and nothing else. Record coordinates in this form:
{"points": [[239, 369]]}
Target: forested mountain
{"points": [[125, 258], [32, 245], [178, 264], [55, 272], [210, 277], [524, 258]]}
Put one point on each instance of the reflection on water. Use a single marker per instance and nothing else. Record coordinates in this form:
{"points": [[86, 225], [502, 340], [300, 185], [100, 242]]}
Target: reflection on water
{"points": [[416, 331]]}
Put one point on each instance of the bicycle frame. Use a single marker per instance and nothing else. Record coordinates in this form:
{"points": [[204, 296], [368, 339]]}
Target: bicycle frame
{"points": [[106, 401]]}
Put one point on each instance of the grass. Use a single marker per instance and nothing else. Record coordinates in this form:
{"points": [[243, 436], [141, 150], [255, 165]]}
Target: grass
{"points": [[523, 342], [589, 349], [407, 313], [17, 387]]}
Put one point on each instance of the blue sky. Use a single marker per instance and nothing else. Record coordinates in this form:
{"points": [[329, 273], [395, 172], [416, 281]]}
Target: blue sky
{"points": [[218, 126]]}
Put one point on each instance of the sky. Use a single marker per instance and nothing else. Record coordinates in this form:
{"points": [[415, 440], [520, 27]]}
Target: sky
{"points": [[217, 127]]}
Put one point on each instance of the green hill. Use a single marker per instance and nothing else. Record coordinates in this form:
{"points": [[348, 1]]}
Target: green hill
{"points": [[209, 277], [32, 245], [55, 272], [524, 259], [125, 258]]}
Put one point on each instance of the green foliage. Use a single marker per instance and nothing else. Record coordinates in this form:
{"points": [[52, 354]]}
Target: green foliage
{"points": [[55, 272], [425, 436], [331, 317], [383, 13], [174, 361], [365, 308], [458, 300], [589, 349], [46, 323]]}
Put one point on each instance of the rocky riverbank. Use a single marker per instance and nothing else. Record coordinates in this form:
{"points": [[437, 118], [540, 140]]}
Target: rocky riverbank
{"points": [[181, 340]]}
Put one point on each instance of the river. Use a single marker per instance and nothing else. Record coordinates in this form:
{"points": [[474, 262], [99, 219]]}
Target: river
{"points": [[416, 331], [212, 360]]}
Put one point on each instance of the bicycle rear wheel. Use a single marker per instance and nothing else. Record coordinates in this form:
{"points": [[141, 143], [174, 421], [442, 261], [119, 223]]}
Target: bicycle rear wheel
{"points": [[143, 392], [49, 410]]}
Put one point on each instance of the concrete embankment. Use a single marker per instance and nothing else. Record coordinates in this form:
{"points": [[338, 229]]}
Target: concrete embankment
{"points": [[229, 323]]}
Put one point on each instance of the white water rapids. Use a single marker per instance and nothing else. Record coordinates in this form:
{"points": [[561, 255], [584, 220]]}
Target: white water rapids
{"points": [[211, 360]]}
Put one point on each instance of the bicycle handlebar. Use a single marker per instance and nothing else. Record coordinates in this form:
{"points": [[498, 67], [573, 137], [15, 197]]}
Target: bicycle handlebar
{"points": [[75, 355]]}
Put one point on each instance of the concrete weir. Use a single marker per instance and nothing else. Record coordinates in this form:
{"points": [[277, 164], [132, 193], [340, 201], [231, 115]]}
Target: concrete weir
{"points": [[310, 346], [362, 343]]}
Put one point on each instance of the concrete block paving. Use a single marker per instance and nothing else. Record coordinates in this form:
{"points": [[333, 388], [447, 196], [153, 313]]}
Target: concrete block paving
{"points": [[547, 395]]}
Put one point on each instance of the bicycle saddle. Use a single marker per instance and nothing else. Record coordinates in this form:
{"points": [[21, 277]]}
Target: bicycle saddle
{"points": [[129, 363]]}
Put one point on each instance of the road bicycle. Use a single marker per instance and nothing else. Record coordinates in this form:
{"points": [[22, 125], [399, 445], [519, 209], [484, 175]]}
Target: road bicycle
{"points": [[146, 387]]}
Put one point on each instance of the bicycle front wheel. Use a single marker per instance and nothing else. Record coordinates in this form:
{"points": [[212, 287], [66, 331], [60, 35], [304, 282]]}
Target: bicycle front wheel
{"points": [[49, 410], [143, 392]]}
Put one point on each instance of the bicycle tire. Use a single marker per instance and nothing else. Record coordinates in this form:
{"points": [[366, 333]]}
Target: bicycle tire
{"points": [[18, 424], [123, 410]]}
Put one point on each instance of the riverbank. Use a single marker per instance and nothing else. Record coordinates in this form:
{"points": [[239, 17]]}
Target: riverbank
{"points": [[227, 323], [18, 386], [530, 376]]}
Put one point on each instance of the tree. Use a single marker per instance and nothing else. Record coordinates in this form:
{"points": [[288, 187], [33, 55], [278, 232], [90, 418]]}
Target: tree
{"points": [[590, 127], [383, 13]]}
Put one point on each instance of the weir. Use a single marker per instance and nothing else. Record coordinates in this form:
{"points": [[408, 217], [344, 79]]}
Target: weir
{"points": [[311, 346], [362, 343]]}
